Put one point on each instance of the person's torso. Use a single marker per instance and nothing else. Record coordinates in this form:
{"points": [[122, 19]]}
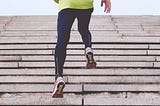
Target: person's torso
{"points": [[75, 4]]}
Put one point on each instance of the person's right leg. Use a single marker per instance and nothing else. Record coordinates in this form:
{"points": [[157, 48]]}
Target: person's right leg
{"points": [[84, 17], [65, 21]]}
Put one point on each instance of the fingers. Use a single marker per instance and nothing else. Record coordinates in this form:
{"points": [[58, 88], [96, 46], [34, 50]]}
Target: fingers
{"points": [[108, 6], [102, 3], [107, 3], [105, 9]]}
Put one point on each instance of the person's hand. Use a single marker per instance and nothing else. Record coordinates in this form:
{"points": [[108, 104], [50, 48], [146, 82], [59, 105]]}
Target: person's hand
{"points": [[107, 4]]}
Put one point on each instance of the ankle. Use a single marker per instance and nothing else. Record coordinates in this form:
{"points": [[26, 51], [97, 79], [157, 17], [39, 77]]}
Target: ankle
{"points": [[88, 50]]}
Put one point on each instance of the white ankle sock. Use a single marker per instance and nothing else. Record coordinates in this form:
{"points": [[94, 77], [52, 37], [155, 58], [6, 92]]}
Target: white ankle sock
{"points": [[88, 49]]}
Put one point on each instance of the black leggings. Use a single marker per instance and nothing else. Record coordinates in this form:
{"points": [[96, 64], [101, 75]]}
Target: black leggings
{"points": [[66, 18]]}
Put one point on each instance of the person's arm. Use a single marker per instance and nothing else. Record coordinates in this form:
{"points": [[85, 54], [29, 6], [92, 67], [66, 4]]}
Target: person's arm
{"points": [[107, 4]]}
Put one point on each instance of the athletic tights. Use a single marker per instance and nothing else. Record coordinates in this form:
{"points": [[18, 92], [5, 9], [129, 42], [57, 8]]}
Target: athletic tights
{"points": [[66, 18]]}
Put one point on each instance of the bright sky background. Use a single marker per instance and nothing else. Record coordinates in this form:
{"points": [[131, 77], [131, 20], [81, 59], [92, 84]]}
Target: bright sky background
{"points": [[48, 7]]}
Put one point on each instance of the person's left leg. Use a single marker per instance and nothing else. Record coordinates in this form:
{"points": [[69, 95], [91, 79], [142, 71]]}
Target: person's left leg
{"points": [[65, 20], [84, 17]]}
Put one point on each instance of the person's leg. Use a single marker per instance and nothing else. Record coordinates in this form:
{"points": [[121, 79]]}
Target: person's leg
{"points": [[65, 21], [84, 17]]}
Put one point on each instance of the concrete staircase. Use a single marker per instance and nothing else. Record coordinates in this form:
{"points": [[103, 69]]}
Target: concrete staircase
{"points": [[126, 48]]}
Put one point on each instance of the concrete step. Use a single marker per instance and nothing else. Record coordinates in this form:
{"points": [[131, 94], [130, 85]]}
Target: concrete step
{"points": [[39, 99], [80, 52], [81, 79], [37, 88], [113, 52], [114, 79], [83, 58], [80, 46], [81, 72], [78, 64], [23, 52], [77, 88], [8, 64], [41, 26], [129, 99], [79, 58], [17, 40], [121, 88], [54, 35], [83, 64], [83, 100], [54, 32]]}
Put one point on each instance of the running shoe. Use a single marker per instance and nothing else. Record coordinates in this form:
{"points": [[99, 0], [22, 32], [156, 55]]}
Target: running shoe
{"points": [[58, 88], [90, 60]]}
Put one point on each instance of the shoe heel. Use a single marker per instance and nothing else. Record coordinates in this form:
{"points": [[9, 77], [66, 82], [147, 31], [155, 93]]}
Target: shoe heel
{"points": [[91, 65], [61, 86], [90, 61], [90, 57], [59, 91]]}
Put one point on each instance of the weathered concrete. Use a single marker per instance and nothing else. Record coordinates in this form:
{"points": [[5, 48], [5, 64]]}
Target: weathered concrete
{"points": [[39, 99], [131, 99], [38, 88], [126, 49], [82, 72]]}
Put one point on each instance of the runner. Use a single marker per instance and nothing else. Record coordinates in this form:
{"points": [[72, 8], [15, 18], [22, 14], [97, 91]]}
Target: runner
{"points": [[69, 10]]}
